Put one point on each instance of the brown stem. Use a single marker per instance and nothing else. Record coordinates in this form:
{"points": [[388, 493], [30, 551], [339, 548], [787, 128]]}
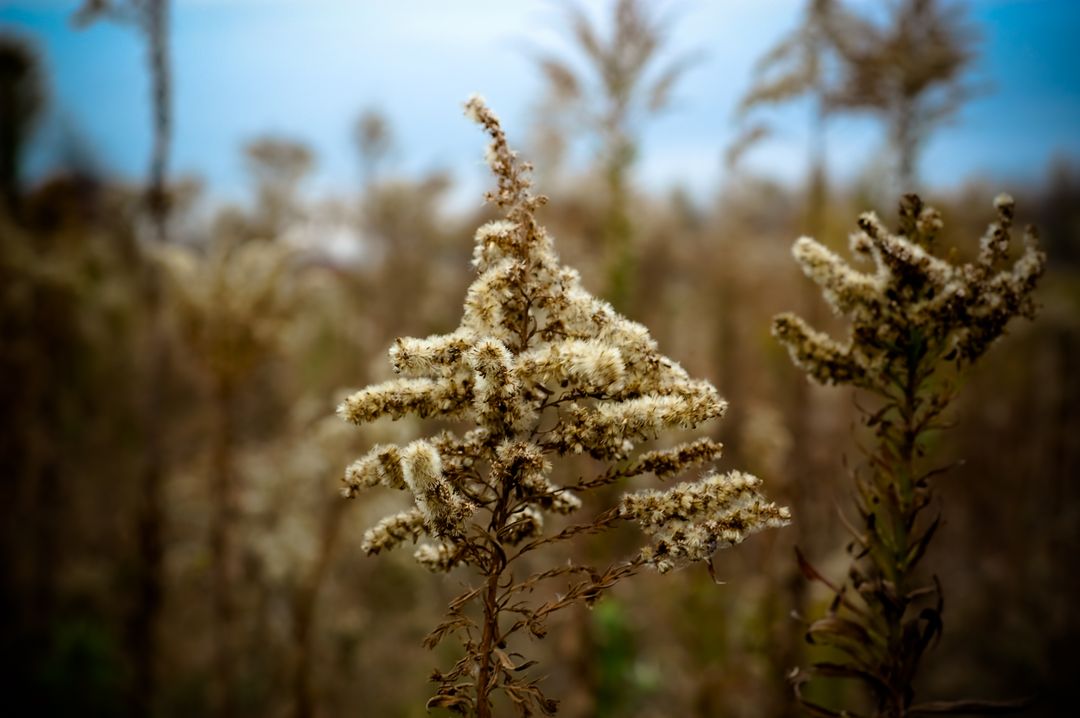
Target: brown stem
{"points": [[304, 613], [494, 566], [151, 512], [802, 465], [906, 142], [224, 515], [156, 22], [487, 645], [149, 521], [150, 515]]}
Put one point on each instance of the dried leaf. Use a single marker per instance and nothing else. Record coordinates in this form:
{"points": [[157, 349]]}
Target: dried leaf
{"points": [[973, 707], [917, 551], [504, 659]]}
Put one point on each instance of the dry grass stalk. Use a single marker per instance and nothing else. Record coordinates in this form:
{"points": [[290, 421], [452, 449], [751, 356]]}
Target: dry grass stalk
{"points": [[231, 308], [623, 81]]}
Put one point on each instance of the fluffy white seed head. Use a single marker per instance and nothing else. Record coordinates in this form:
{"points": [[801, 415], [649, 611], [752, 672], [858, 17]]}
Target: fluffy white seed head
{"points": [[691, 521], [538, 369]]}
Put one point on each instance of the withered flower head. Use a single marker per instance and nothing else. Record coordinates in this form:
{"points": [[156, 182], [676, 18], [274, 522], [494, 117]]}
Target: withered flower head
{"points": [[911, 298], [539, 369]]}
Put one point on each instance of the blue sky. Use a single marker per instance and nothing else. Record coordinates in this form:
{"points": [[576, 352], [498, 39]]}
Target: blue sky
{"points": [[305, 68]]}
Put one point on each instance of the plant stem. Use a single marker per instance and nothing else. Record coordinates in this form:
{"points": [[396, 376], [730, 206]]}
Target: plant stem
{"points": [[157, 35], [900, 667], [491, 629], [496, 563], [221, 548], [304, 613]]}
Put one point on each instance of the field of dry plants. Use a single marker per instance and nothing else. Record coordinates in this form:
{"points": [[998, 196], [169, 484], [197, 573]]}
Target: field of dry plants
{"points": [[585, 449]]}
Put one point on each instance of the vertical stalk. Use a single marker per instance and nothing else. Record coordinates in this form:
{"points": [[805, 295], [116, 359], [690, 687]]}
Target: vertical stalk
{"points": [[157, 33], [496, 564], [150, 515], [222, 491], [897, 485], [487, 645], [304, 614], [905, 140], [791, 647], [617, 228]]}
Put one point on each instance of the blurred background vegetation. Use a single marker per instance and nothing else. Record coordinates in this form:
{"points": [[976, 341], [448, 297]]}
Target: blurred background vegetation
{"points": [[171, 350]]}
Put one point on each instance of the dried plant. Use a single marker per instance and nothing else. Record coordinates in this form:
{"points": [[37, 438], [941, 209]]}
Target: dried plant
{"points": [[374, 139], [231, 308], [624, 84], [918, 322], [22, 100], [538, 369], [151, 18], [803, 64], [278, 166], [291, 533], [912, 71], [231, 305]]}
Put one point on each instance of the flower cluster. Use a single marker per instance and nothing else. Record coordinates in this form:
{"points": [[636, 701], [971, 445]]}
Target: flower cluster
{"points": [[541, 368], [537, 369], [692, 520], [232, 304], [955, 309]]}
